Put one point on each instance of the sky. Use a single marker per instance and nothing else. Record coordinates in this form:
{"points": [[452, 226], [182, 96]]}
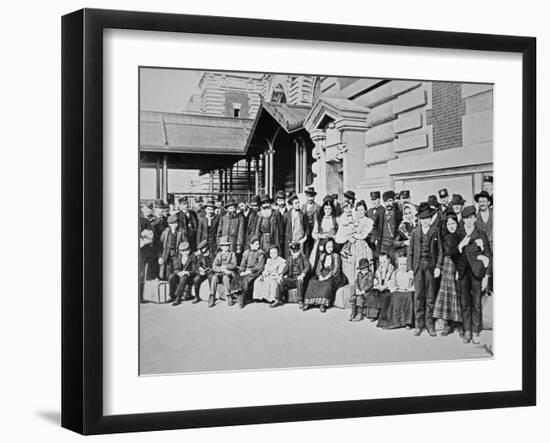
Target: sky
{"points": [[167, 90]]}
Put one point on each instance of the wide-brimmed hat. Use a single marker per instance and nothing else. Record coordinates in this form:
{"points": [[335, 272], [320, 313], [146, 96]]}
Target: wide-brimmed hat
{"points": [[363, 263], [230, 202], [482, 194], [425, 210], [387, 195], [468, 211], [457, 200], [310, 191], [350, 195], [224, 241], [292, 198], [443, 193], [432, 201], [374, 195], [172, 219]]}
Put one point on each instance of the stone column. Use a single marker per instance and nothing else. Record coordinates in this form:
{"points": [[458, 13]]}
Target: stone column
{"points": [[352, 150], [319, 166]]}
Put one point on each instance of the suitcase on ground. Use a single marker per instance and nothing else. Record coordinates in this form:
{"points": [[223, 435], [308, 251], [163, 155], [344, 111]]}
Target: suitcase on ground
{"points": [[342, 298], [156, 291], [487, 312]]}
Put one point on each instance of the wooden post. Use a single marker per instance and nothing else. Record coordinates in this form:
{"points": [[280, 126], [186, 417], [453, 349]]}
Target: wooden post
{"points": [[256, 175], [211, 182], [297, 177], [231, 178], [165, 178], [220, 177], [158, 190]]}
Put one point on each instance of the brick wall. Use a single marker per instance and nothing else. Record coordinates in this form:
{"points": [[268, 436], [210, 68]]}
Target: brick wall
{"points": [[448, 107]]}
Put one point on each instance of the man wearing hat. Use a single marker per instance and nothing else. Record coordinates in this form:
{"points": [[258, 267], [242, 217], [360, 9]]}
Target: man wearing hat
{"points": [[267, 225], [457, 204], [248, 220], [484, 221], [146, 216], [422, 258], [203, 268], [199, 207], [296, 272], [392, 219], [443, 199], [189, 222], [376, 213], [311, 211], [181, 279], [251, 267], [487, 186], [224, 266], [280, 212], [219, 210], [437, 217], [208, 227], [170, 239], [295, 225], [473, 261], [231, 226], [337, 206]]}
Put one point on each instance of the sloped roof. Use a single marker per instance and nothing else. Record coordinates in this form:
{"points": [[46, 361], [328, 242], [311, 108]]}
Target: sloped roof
{"points": [[290, 117], [193, 133]]}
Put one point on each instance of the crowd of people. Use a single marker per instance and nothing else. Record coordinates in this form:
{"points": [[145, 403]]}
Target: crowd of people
{"points": [[406, 265]]}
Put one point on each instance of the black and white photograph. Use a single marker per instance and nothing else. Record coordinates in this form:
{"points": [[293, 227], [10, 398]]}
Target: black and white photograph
{"points": [[291, 220]]}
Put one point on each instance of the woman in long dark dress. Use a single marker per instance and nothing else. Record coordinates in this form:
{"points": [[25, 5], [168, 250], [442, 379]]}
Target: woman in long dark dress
{"points": [[328, 278], [447, 304]]}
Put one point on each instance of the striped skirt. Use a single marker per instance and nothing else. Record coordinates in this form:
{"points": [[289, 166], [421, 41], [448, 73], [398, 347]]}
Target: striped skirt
{"points": [[447, 304]]}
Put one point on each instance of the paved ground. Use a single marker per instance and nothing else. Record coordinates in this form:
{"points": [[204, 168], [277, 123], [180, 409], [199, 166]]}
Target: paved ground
{"points": [[193, 338]]}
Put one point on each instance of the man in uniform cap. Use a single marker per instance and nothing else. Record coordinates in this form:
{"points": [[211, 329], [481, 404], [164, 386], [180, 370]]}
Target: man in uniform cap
{"points": [[376, 213], [181, 279], [488, 185], [443, 199], [231, 226], [170, 239], [472, 264], [423, 256], [311, 211], [267, 224]]}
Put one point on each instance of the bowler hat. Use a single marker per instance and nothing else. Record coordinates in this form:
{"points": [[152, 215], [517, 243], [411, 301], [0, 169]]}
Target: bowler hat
{"points": [[202, 245], [350, 195], [184, 246], [387, 195], [432, 201], [457, 200], [310, 191], [405, 194], [280, 194], [172, 219], [374, 195], [265, 199], [183, 199], [468, 211], [292, 198], [443, 193], [363, 263], [230, 202], [256, 199], [482, 194], [224, 241], [425, 210], [210, 203]]}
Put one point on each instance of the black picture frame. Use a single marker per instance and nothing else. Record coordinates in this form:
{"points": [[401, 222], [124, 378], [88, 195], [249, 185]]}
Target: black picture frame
{"points": [[82, 218]]}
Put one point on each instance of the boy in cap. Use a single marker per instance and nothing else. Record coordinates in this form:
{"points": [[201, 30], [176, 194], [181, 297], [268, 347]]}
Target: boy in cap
{"points": [[475, 254], [422, 257], [296, 272], [294, 225], [224, 266], [311, 211], [364, 282], [251, 267], [181, 279], [376, 213], [170, 239], [231, 226], [204, 271]]}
